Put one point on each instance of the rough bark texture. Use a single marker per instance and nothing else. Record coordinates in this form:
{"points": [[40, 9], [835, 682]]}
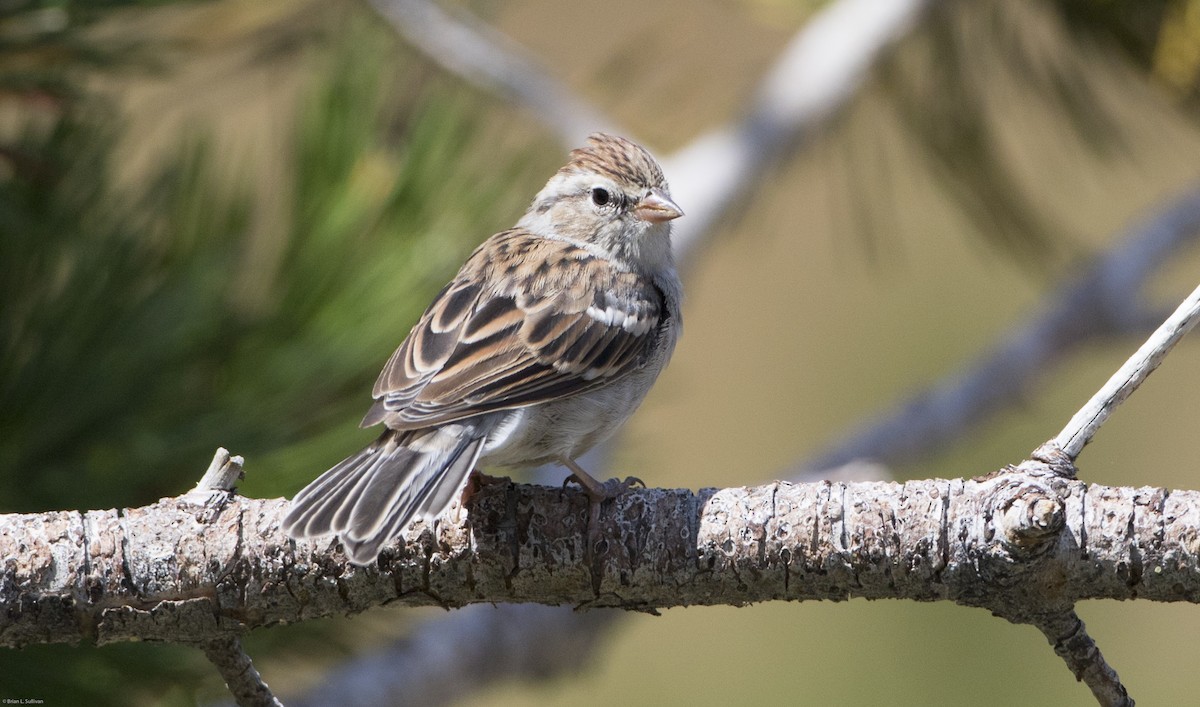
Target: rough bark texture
{"points": [[1020, 541]]}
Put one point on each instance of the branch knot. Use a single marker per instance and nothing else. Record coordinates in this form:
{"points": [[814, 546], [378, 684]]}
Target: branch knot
{"points": [[1030, 517]]}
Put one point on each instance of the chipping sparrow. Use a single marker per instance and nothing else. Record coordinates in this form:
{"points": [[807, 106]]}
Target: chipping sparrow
{"points": [[542, 345]]}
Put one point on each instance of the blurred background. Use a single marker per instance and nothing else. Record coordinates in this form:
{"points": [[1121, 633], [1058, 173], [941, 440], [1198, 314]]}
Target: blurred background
{"points": [[217, 219]]}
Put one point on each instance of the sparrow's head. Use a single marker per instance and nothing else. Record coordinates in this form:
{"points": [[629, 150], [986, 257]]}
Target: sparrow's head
{"points": [[611, 194]]}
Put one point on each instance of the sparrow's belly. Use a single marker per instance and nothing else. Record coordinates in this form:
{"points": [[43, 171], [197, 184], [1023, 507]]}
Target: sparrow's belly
{"points": [[566, 428]]}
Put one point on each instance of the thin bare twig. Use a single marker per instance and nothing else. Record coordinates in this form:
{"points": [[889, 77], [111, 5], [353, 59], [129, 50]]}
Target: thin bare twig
{"points": [[1087, 421], [216, 486], [242, 679], [222, 474], [1071, 642]]}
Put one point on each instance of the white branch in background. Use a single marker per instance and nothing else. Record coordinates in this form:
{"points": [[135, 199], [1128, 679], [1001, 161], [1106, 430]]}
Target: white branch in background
{"points": [[486, 58], [1087, 421], [817, 74], [820, 70], [446, 660]]}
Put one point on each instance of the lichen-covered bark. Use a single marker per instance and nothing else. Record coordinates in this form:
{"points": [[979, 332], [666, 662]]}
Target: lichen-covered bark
{"points": [[1021, 540]]}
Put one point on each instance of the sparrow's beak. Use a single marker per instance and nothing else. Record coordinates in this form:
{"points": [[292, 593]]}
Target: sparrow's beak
{"points": [[657, 207]]}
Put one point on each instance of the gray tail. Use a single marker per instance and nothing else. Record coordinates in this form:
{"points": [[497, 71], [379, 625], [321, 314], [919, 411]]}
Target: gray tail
{"points": [[371, 497]]}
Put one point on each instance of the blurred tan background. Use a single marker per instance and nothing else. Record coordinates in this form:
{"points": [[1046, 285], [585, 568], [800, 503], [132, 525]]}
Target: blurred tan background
{"points": [[852, 278]]}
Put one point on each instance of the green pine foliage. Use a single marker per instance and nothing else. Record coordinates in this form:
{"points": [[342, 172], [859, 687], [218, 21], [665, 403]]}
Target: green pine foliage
{"points": [[136, 339], [141, 327]]}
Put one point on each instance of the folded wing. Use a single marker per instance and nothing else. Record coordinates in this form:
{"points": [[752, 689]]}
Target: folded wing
{"points": [[519, 335]]}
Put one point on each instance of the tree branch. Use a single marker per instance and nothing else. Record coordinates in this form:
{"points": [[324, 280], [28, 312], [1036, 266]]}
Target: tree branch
{"points": [[1017, 540]]}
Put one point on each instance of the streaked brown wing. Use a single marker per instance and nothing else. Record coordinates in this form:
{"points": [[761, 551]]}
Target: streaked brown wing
{"points": [[523, 322]]}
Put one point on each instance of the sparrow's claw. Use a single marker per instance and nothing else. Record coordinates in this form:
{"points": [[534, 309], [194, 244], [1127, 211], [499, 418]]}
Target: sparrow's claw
{"points": [[605, 490], [596, 490]]}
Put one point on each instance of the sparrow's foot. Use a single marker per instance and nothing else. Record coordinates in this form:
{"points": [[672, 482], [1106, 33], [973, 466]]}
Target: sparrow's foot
{"points": [[476, 481], [598, 492]]}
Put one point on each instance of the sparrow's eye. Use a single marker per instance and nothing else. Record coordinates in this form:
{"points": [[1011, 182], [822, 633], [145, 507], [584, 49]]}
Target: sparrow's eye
{"points": [[600, 196]]}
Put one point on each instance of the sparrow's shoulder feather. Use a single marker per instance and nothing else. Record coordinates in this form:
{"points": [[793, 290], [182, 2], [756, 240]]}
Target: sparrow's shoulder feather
{"points": [[528, 319]]}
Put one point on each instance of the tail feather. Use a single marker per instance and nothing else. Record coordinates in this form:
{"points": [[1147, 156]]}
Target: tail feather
{"points": [[311, 511], [387, 489], [370, 497], [438, 497], [391, 464], [427, 502]]}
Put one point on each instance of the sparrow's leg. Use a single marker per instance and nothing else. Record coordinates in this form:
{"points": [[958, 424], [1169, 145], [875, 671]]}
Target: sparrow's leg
{"points": [[596, 490]]}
